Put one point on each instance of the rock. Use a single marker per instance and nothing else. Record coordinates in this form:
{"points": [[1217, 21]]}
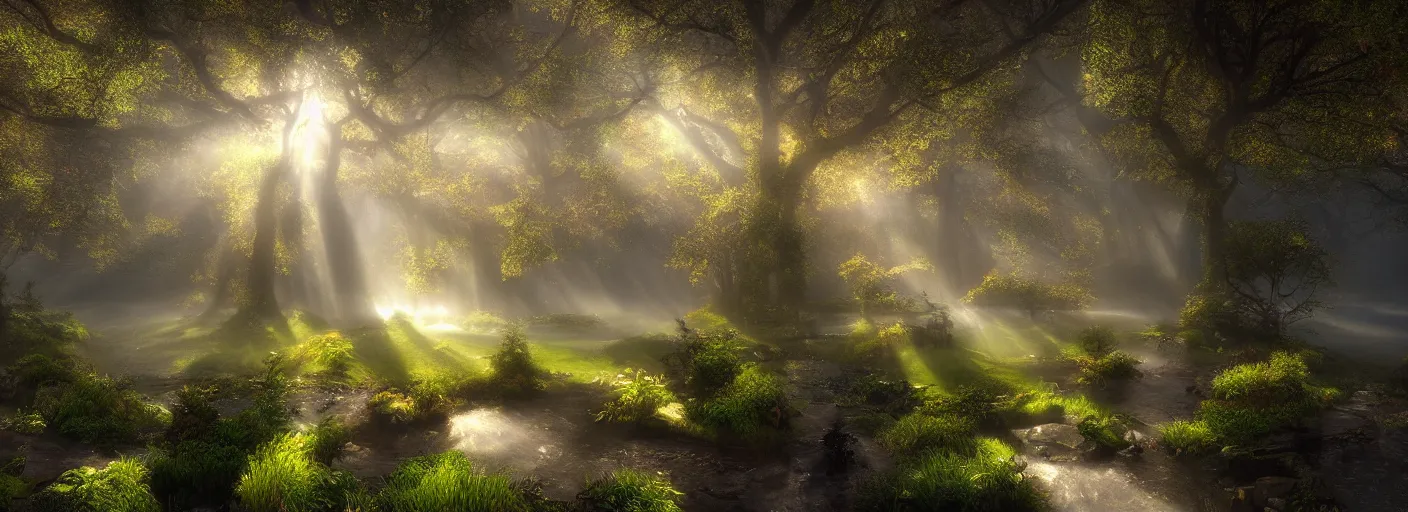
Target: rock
{"points": [[1242, 499], [1134, 437], [1269, 487], [1276, 504], [1054, 440]]}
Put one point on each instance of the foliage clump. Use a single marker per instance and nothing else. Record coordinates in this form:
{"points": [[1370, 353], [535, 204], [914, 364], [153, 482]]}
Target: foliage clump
{"points": [[24, 422], [705, 361], [1027, 294], [27, 327], [97, 409], [205, 454], [919, 433], [426, 400], [286, 475], [1097, 359], [989, 480], [753, 402], [631, 490], [447, 481], [122, 486], [515, 370], [330, 353], [871, 284], [636, 398], [1250, 401]]}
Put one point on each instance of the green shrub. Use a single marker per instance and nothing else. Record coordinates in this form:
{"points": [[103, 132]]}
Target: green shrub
{"points": [[34, 370], [119, 487], [205, 461], [871, 284], [1097, 340], [1250, 401], [629, 490], [1027, 294], [331, 352], [706, 361], [447, 481], [11, 487], [26, 327], [283, 477], [1278, 380], [1113, 366], [97, 409], [989, 481], [1104, 431], [24, 422], [328, 438], [636, 398], [515, 371], [1188, 437], [192, 415], [753, 401], [394, 406], [196, 473], [919, 433], [429, 399]]}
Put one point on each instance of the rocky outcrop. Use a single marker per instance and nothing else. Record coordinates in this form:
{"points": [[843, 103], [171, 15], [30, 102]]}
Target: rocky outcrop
{"points": [[1055, 441]]}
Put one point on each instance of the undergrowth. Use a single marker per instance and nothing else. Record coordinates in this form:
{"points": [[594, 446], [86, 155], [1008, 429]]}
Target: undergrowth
{"points": [[636, 398], [447, 481], [1250, 401], [122, 486], [629, 490]]}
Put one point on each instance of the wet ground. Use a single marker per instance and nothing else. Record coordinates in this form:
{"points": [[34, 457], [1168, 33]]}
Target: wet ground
{"points": [[556, 439]]}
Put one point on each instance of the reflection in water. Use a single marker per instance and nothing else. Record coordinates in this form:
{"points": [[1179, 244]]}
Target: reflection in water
{"points": [[484, 431], [501, 439], [1076, 488]]}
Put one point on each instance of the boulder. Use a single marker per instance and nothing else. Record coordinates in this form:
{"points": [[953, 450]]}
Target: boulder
{"points": [[1054, 440], [1270, 487]]}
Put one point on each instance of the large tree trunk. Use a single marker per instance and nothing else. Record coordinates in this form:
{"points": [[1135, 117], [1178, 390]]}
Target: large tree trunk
{"points": [[223, 293], [1214, 228], [261, 303], [353, 305]]}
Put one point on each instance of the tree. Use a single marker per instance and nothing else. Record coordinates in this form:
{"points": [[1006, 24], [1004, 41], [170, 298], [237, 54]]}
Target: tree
{"points": [[1206, 92], [824, 78], [336, 90], [1276, 272]]}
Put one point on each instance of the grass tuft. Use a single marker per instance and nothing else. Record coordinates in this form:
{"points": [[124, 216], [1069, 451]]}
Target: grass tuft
{"points": [[990, 480], [1187, 437], [630, 490], [447, 481], [918, 433], [283, 477]]}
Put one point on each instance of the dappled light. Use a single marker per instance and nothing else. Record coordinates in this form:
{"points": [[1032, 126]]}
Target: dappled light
{"points": [[699, 255]]}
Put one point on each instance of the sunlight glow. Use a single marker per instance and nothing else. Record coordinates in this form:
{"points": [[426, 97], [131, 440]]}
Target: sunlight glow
{"points": [[433, 317], [308, 130]]}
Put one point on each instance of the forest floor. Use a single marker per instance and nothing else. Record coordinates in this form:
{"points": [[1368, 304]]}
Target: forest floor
{"points": [[555, 438]]}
